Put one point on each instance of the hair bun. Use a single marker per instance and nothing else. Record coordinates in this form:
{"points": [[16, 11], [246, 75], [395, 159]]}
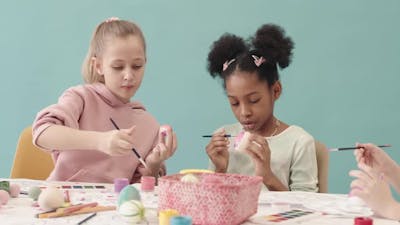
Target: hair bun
{"points": [[227, 47], [271, 42]]}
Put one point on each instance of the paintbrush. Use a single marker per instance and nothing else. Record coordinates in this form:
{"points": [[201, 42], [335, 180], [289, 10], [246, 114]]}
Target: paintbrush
{"points": [[353, 148], [133, 149]]}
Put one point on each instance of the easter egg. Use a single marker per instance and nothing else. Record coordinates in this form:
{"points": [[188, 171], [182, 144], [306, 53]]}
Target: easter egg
{"points": [[34, 192], [242, 141], [5, 185], [51, 198], [14, 190], [189, 178], [128, 193], [132, 211], [165, 128], [4, 197]]}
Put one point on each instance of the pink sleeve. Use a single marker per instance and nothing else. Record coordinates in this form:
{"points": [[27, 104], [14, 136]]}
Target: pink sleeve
{"points": [[66, 112]]}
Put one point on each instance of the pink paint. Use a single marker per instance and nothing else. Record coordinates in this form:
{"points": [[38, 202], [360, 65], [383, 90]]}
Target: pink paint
{"points": [[147, 183]]}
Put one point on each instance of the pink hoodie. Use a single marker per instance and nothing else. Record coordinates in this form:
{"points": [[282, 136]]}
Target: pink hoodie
{"points": [[89, 107]]}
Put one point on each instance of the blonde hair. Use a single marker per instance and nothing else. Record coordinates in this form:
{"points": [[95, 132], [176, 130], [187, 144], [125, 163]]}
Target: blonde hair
{"points": [[106, 30]]}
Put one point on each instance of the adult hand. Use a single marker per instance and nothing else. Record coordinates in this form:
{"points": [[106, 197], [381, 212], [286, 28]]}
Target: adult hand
{"points": [[372, 187], [373, 156]]}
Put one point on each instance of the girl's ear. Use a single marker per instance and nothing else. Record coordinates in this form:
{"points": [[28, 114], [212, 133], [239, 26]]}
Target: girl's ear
{"points": [[276, 90], [97, 66]]}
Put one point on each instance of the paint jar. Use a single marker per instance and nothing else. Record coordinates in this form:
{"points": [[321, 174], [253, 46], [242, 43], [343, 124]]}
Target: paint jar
{"points": [[147, 183], [363, 221], [165, 216], [180, 220], [120, 183]]}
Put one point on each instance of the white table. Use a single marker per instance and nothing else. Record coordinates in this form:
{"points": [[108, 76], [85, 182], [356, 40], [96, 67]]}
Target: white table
{"points": [[335, 207]]}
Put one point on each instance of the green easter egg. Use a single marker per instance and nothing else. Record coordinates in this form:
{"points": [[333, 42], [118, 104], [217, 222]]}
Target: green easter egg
{"points": [[34, 192], [5, 185], [128, 193]]}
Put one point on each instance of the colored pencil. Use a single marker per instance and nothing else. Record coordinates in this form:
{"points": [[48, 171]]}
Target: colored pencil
{"points": [[133, 149]]}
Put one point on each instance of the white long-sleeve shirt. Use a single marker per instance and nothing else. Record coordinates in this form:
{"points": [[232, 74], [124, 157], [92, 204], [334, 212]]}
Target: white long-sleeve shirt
{"points": [[293, 158]]}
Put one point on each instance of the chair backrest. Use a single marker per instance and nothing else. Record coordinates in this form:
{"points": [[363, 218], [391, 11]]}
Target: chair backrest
{"points": [[29, 161], [323, 166]]}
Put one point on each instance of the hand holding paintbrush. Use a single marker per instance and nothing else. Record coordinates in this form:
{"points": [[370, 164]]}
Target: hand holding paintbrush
{"points": [[375, 157], [133, 149]]}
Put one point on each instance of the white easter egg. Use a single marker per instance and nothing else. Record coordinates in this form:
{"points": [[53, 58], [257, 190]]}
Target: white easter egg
{"points": [[190, 178], [51, 198], [132, 211]]}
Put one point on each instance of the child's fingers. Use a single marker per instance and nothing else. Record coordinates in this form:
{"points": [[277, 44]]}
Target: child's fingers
{"points": [[259, 146], [130, 130], [165, 130], [174, 142], [123, 144], [256, 150], [168, 138], [215, 149]]}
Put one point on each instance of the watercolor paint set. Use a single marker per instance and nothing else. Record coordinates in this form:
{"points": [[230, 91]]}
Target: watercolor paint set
{"points": [[292, 216]]}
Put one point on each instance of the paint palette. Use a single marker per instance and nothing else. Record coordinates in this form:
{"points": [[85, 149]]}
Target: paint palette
{"points": [[286, 217], [82, 187]]}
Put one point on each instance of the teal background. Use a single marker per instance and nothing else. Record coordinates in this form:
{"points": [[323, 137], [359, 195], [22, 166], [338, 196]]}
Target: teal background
{"points": [[341, 87]]}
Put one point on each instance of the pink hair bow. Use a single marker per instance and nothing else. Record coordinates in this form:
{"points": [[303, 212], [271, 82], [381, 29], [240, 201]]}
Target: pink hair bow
{"points": [[226, 64], [258, 60], [111, 19]]}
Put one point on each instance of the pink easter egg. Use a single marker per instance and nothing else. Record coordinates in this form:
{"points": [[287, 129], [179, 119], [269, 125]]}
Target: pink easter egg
{"points": [[4, 197], [165, 128], [14, 190]]}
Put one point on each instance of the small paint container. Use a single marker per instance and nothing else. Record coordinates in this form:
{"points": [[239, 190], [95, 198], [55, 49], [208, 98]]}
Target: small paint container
{"points": [[164, 216], [147, 183], [120, 183], [363, 221], [180, 220]]}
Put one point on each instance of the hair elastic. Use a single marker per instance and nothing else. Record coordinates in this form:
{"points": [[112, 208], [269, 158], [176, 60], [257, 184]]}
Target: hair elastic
{"points": [[258, 60], [227, 63]]}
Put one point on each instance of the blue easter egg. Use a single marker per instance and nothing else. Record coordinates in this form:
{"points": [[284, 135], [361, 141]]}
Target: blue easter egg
{"points": [[128, 193]]}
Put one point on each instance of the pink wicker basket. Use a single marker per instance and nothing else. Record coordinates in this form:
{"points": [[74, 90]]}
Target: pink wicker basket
{"points": [[217, 199]]}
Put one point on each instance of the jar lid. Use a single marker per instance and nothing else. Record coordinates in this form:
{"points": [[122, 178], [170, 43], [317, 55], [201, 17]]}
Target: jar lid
{"points": [[363, 221]]}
